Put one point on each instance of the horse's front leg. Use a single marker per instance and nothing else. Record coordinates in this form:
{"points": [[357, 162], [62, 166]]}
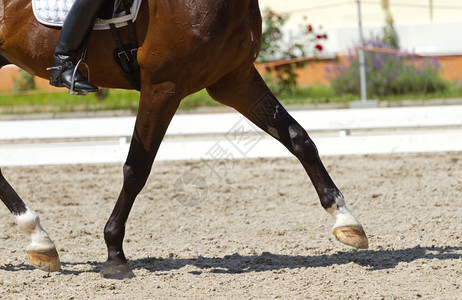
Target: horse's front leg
{"points": [[158, 104], [42, 251], [245, 90]]}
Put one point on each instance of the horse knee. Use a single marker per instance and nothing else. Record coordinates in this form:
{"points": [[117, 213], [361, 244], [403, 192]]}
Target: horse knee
{"points": [[134, 178], [302, 145]]}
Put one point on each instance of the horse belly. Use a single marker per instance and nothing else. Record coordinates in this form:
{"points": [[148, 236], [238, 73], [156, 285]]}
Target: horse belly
{"points": [[201, 41]]}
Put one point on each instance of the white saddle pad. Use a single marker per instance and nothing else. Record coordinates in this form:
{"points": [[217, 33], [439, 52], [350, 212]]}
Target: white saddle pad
{"points": [[54, 12]]}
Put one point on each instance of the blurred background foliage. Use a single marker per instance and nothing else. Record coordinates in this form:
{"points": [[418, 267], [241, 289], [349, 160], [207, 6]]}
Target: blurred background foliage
{"points": [[392, 74]]}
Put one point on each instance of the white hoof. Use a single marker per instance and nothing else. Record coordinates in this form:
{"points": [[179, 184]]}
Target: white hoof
{"points": [[346, 228], [353, 236], [45, 260]]}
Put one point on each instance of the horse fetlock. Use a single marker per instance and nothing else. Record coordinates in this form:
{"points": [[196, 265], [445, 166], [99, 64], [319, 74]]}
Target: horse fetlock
{"points": [[28, 221], [343, 217], [341, 213]]}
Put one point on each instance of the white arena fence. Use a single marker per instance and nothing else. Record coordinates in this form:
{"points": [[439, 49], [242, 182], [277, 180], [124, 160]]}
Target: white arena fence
{"points": [[230, 135]]}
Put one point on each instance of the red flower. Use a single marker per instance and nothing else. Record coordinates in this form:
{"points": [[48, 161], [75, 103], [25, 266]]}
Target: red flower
{"points": [[318, 36], [325, 36], [309, 28], [318, 47]]}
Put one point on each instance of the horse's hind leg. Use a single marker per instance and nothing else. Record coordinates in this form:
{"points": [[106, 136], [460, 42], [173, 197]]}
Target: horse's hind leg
{"points": [[42, 251], [246, 91]]}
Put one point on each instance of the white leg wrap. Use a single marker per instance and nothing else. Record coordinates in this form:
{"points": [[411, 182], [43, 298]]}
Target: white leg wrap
{"points": [[29, 222], [342, 215]]}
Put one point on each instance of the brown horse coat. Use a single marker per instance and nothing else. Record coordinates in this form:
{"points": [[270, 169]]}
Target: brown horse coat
{"points": [[185, 46]]}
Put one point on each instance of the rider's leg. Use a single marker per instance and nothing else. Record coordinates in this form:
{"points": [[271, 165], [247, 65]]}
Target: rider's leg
{"points": [[78, 23]]}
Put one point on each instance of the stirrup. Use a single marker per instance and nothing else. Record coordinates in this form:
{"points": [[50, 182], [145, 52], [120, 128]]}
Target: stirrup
{"points": [[82, 60]]}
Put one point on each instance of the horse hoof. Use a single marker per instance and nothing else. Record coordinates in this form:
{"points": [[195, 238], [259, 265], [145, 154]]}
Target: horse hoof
{"points": [[353, 235], [116, 271], [45, 260]]}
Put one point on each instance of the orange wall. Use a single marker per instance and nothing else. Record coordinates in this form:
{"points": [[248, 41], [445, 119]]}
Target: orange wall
{"points": [[451, 67], [314, 72], [9, 73]]}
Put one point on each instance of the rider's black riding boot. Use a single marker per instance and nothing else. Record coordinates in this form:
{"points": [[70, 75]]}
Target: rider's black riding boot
{"points": [[77, 25]]}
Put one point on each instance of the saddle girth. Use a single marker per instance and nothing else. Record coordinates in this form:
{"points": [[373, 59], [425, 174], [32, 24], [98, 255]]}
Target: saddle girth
{"points": [[126, 54]]}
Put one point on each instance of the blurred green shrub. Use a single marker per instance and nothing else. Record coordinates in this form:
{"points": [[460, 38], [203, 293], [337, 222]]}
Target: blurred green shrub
{"points": [[278, 46], [24, 81], [387, 73]]}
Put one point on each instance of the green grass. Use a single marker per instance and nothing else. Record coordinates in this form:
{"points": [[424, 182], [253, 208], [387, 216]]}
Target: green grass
{"points": [[39, 102], [325, 94], [36, 102]]}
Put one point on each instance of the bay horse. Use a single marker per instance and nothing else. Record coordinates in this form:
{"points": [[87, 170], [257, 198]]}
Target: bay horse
{"points": [[185, 46]]}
